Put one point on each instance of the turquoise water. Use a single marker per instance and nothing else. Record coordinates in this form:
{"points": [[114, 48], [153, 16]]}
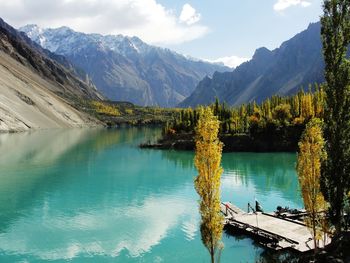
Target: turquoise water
{"points": [[94, 196]]}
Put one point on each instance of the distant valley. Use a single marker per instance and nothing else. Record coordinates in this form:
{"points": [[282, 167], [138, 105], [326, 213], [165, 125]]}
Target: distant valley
{"points": [[126, 68], [41, 88]]}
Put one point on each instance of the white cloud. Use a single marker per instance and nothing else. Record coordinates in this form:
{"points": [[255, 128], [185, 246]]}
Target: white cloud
{"points": [[147, 19], [232, 61], [189, 15], [284, 4]]}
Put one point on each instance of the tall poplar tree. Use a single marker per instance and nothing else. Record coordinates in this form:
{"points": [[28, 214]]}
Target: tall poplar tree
{"points": [[335, 32], [207, 183], [311, 154]]}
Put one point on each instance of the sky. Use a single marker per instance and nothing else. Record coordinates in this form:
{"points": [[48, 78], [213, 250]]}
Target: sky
{"points": [[215, 30]]}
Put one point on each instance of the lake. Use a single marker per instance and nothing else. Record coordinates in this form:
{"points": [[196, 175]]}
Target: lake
{"points": [[91, 195]]}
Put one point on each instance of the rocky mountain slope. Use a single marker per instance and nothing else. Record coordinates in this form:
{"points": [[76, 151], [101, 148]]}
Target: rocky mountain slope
{"points": [[295, 64], [125, 68], [35, 90]]}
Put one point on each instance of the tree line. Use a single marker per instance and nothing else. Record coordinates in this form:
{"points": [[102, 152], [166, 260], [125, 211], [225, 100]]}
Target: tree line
{"points": [[274, 113]]}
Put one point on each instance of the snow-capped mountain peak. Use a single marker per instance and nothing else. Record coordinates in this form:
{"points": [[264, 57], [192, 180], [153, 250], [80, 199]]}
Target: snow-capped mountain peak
{"points": [[64, 40], [35, 33]]}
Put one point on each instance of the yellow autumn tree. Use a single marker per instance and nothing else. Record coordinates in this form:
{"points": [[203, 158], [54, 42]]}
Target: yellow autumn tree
{"points": [[311, 153], [307, 109], [105, 108], [207, 183]]}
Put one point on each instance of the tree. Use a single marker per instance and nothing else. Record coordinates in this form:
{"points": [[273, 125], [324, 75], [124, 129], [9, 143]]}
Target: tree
{"points": [[307, 109], [295, 106], [335, 179], [282, 114], [207, 183], [216, 107], [311, 154]]}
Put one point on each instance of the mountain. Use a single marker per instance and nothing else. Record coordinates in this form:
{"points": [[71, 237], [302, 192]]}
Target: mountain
{"points": [[297, 63], [125, 68], [36, 91]]}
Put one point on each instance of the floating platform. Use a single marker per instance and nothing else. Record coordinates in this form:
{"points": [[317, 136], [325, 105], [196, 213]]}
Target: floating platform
{"points": [[274, 232]]}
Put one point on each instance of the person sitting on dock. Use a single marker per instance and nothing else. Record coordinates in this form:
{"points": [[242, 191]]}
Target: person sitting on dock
{"points": [[251, 208], [258, 207]]}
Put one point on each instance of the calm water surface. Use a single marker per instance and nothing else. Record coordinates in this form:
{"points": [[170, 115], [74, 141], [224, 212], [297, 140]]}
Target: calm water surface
{"points": [[94, 196]]}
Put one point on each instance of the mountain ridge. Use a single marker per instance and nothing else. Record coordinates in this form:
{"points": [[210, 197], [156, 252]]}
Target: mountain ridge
{"points": [[297, 63], [52, 66], [126, 68]]}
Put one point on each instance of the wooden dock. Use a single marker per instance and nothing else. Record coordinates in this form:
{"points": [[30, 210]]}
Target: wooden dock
{"points": [[272, 231]]}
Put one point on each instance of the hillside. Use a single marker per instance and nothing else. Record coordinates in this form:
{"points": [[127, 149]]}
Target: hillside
{"points": [[125, 68], [297, 63], [36, 91]]}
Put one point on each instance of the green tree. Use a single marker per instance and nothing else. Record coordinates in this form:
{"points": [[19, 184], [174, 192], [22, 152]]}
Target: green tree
{"points": [[282, 113], [335, 178], [311, 154], [207, 183]]}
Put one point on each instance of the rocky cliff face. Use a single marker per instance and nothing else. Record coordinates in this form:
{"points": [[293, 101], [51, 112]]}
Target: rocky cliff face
{"points": [[51, 66], [35, 90], [125, 68]]}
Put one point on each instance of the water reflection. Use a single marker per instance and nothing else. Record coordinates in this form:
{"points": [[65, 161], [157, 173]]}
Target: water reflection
{"points": [[102, 231], [94, 196], [29, 163], [270, 177], [183, 159], [89, 192]]}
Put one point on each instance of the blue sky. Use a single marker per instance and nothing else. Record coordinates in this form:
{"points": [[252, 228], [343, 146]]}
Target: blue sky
{"points": [[238, 27], [206, 29]]}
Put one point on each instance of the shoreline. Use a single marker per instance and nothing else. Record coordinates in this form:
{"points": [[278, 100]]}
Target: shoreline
{"points": [[232, 143]]}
